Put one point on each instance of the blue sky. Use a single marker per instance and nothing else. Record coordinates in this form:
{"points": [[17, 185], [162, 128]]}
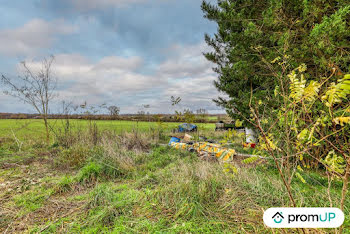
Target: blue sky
{"points": [[119, 52]]}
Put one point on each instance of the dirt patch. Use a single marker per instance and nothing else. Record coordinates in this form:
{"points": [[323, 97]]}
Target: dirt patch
{"points": [[6, 140], [17, 179], [52, 211]]}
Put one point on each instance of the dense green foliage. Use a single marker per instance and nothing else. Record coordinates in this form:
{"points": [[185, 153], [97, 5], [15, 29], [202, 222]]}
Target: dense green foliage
{"points": [[253, 33]]}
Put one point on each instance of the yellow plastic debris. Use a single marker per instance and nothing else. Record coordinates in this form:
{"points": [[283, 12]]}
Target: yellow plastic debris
{"points": [[220, 152]]}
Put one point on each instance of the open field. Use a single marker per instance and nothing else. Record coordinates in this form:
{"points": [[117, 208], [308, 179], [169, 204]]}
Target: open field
{"points": [[127, 117], [35, 128], [126, 182], [162, 191]]}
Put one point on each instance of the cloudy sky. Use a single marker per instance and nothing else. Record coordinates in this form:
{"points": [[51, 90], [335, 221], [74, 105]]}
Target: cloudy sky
{"points": [[119, 52]]}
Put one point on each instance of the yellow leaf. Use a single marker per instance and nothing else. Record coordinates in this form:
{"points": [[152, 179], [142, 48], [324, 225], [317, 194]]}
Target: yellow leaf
{"points": [[311, 91], [297, 86], [276, 59], [300, 177], [302, 67], [337, 92], [299, 168], [342, 120], [238, 123], [276, 90]]}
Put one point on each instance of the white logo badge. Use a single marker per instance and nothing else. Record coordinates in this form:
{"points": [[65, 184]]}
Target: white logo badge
{"points": [[283, 217]]}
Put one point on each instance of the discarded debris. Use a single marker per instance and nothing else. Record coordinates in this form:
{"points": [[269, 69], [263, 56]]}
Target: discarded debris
{"points": [[209, 151], [249, 145], [187, 138], [221, 153], [186, 127], [174, 139], [203, 138]]}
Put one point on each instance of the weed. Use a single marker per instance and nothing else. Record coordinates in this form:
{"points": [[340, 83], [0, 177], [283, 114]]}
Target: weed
{"points": [[134, 141], [103, 194], [64, 185], [89, 173], [74, 156], [117, 161], [108, 202], [186, 191]]}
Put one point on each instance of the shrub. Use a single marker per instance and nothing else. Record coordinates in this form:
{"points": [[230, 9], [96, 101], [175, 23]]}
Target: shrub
{"points": [[115, 158]]}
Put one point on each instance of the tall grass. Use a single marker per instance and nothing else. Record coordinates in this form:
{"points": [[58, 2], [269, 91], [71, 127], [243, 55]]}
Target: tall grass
{"points": [[128, 183]]}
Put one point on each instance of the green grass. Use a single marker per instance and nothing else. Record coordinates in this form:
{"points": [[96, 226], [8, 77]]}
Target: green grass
{"points": [[32, 200], [172, 191], [212, 118], [64, 185], [108, 187], [33, 128]]}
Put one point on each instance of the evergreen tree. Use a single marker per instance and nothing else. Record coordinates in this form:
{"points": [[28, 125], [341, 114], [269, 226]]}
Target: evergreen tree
{"points": [[252, 33]]}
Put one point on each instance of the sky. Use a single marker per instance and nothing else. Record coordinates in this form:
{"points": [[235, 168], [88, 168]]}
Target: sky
{"points": [[127, 53]]}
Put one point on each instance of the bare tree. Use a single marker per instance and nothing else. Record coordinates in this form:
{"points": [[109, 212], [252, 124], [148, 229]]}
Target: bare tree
{"points": [[114, 110], [201, 111], [141, 112], [35, 87]]}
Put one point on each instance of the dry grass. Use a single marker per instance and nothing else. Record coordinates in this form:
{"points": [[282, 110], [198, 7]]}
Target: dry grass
{"points": [[126, 185], [115, 156], [139, 142]]}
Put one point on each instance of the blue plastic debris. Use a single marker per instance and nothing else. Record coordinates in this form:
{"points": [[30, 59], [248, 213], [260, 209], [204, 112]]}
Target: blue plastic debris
{"points": [[186, 127], [174, 139]]}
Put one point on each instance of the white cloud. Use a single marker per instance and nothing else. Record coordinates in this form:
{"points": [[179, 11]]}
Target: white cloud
{"points": [[32, 36], [190, 76], [118, 80], [186, 61], [195, 93], [109, 78], [117, 63], [98, 4]]}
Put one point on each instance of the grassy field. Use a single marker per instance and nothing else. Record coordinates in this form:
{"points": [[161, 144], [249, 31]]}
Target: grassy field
{"points": [[126, 182], [35, 128]]}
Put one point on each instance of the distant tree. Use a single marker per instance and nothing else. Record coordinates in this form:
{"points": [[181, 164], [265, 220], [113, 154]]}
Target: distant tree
{"points": [[141, 112], [201, 111], [35, 87], [146, 107], [113, 110], [188, 116]]}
